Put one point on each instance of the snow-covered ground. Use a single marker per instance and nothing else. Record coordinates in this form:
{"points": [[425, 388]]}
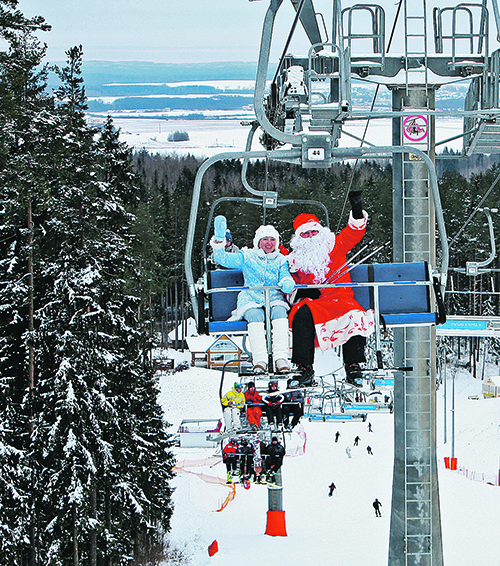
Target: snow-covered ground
{"points": [[339, 530], [216, 135]]}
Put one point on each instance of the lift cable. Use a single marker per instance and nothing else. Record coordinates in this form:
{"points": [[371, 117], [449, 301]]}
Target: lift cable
{"points": [[393, 30], [289, 39]]}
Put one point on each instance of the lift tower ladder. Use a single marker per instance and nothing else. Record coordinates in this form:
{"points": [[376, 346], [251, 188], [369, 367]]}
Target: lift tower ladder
{"points": [[415, 20], [417, 345]]}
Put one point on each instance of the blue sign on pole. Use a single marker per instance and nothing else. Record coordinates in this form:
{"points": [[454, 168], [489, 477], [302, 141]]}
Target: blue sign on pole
{"points": [[464, 324]]}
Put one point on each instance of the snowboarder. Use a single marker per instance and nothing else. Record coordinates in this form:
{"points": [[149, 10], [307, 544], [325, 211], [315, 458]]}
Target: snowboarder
{"points": [[327, 317], [377, 505], [331, 487], [337, 436], [272, 403], [293, 404], [369, 450], [264, 264], [356, 440], [370, 427], [253, 403], [233, 403], [275, 452], [230, 457]]}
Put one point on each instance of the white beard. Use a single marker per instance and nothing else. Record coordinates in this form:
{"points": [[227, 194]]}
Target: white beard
{"points": [[312, 255]]}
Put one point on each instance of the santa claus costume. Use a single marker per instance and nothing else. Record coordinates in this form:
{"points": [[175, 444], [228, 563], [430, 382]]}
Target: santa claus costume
{"points": [[327, 317]]}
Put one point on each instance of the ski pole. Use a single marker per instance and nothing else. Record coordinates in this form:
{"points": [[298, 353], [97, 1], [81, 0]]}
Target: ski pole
{"points": [[359, 262], [349, 260]]}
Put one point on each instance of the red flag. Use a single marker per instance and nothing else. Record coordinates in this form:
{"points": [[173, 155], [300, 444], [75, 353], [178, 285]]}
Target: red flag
{"points": [[213, 548]]}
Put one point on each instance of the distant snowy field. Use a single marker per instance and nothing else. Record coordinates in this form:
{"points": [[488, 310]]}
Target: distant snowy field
{"points": [[220, 134], [222, 131], [339, 530]]}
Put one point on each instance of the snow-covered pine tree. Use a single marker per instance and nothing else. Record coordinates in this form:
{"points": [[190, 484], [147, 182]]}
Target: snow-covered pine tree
{"points": [[23, 109], [89, 432], [76, 420]]}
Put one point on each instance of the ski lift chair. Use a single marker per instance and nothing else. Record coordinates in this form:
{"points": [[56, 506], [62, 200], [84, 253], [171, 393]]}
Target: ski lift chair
{"points": [[400, 295]]}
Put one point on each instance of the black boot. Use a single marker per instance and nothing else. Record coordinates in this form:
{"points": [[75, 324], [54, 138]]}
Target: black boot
{"points": [[353, 372], [306, 377]]}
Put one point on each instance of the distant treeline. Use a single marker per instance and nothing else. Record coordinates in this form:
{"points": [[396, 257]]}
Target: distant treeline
{"points": [[219, 102], [99, 74], [146, 89]]}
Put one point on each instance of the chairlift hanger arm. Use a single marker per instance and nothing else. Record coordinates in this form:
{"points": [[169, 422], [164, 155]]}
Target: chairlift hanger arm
{"points": [[294, 154], [473, 268], [493, 253]]}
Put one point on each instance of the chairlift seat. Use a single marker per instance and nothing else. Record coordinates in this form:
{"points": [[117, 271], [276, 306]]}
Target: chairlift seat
{"points": [[222, 303], [402, 302]]}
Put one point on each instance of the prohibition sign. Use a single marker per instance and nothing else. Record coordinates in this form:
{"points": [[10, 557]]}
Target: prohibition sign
{"points": [[415, 128]]}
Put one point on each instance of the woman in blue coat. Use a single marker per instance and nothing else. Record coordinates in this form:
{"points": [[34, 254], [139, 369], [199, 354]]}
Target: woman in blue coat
{"points": [[261, 265]]}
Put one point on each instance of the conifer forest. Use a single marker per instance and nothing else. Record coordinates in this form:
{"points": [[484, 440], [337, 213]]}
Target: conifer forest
{"points": [[91, 256]]}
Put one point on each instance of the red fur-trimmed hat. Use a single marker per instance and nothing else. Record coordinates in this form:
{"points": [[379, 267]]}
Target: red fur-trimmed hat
{"points": [[305, 222]]}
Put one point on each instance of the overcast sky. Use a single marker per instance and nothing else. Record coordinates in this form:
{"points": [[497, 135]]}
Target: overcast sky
{"points": [[184, 31], [169, 31]]}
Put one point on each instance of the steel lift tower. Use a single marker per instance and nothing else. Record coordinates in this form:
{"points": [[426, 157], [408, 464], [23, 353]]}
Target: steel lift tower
{"points": [[306, 115]]}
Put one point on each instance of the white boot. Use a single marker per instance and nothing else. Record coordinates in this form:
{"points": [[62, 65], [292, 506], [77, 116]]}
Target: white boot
{"points": [[281, 347], [258, 346]]}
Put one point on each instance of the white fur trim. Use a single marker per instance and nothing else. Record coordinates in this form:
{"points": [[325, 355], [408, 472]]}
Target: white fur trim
{"points": [[358, 223], [216, 245], [338, 330], [312, 225], [265, 231]]}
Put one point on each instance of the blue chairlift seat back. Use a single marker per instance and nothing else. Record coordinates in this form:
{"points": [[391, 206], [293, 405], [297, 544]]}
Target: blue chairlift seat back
{"points": [[404, 302], [401, 303], [221, 304]]}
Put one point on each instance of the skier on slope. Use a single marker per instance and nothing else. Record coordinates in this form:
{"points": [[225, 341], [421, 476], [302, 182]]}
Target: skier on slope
{"points": [[337, 436], [356, 440], [327, 317], [377, 505], [331, 487]]}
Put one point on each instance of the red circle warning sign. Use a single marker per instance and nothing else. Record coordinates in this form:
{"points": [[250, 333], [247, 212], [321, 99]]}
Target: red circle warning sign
{"points": [[415, 128]]}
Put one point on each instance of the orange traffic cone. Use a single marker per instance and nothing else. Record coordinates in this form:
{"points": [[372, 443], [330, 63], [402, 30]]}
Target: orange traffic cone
{"points": [[276, 524]]}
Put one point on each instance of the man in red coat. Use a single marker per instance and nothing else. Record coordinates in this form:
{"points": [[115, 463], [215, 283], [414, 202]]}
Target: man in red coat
{"points": [[327, 317]]}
